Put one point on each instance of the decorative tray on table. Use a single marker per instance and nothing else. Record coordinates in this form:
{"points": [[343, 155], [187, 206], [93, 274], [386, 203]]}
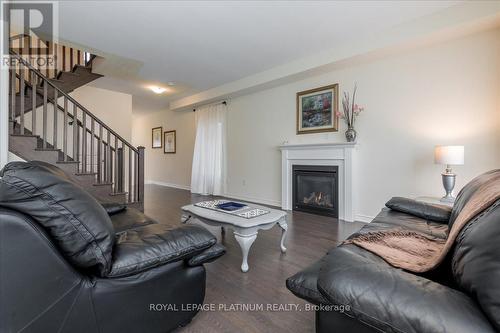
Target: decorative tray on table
{"points": [[233, 208]]}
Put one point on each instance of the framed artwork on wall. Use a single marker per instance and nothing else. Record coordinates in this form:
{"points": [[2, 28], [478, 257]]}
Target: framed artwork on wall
{"points": [[156, 139], [317, 110], [169, 144]]}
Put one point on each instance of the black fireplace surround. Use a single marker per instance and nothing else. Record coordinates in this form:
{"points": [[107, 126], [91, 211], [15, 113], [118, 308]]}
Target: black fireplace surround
{"points": [[315, 189]]}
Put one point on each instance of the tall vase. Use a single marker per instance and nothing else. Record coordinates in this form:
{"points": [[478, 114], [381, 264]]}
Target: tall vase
{"points": [[350, 134]]}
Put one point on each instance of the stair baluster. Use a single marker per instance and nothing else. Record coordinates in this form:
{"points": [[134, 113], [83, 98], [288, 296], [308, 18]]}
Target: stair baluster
{"points": [[65, 129], [108, 158], [99, 157], [55, 51], [47, 48], [120, 173], [105, 162], [22, 91], [140, 174], [33, 80], [136, 177], [44, 117], [115, 178], [130, 193], [55, 113], [63, 58], [111, 167], [84, 143], [75, 134], [38, 54], [13, 94], [29, 46], [92, 145]]}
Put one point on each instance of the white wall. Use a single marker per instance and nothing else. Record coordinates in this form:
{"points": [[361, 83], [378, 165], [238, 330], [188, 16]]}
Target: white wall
{"points": [[168, 169], [112, 107], [441, 94]]}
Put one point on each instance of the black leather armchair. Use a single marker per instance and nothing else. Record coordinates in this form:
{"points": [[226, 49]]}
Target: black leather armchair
{"points": [[461, 296], [64, 267]]}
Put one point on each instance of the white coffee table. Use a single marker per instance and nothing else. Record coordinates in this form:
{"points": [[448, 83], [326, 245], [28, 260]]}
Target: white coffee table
{"points": [[245, 230]]}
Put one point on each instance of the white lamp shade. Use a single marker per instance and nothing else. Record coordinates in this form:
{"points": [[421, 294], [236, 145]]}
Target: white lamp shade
{"points": [[450, 155]]}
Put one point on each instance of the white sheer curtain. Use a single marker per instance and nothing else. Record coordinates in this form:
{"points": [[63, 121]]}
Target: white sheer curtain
{"points": [[209, 159]]}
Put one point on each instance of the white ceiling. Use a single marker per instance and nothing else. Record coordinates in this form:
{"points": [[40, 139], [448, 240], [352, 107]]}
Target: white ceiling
{"points": [[203, 44]]}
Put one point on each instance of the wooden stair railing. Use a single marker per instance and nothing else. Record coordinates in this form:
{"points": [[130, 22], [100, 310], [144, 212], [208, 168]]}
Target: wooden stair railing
{"points": [[23, 130], [88, 142]]}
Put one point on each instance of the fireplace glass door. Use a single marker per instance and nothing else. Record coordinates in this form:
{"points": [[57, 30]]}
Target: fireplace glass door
{"points": [[316, 189]]}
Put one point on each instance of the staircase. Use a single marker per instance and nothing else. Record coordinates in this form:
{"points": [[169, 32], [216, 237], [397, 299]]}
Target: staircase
{"points": [[47, 124]]}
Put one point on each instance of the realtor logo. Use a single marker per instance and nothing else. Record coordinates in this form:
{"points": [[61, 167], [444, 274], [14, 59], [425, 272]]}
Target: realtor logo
{"points": [[31, 27]]}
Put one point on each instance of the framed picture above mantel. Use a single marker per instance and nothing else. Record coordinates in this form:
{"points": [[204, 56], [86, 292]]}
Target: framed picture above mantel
{"points": [[317, 110], [156, 139]]}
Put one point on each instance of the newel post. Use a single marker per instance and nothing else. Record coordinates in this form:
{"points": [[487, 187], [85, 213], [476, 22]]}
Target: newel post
{"points": [[140, 170]]}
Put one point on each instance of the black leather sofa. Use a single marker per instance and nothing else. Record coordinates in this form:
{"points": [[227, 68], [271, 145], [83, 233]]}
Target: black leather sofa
{"points": [[356, 291], [66, 265]]}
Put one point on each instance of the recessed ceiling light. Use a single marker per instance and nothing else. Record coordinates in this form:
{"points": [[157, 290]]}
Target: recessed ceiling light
{"points": [[158, 90]]}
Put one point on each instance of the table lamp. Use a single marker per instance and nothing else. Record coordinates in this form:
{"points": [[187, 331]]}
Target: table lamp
{"points": [[449, 155]]}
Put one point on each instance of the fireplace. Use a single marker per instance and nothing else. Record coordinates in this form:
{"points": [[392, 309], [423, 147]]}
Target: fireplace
{"points": [[341, 155], [315, 189]]}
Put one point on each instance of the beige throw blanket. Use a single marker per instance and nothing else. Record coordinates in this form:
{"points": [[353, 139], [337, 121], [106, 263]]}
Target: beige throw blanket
{"points": [[418, 252]]}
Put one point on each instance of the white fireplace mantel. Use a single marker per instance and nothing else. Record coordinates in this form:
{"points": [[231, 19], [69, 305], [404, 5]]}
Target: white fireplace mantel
{"points": [[332, 154]]}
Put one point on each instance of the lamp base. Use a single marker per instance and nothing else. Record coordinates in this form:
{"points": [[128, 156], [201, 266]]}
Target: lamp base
{"points": [[448, 199], [448, 184]]}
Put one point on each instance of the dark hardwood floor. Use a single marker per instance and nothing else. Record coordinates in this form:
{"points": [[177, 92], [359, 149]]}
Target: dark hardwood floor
{"points": [[309, 238]]}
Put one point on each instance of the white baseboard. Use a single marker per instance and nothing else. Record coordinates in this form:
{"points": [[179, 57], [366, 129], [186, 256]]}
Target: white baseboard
{"points": [[269, 202], [363, 218], [155, 182]]}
